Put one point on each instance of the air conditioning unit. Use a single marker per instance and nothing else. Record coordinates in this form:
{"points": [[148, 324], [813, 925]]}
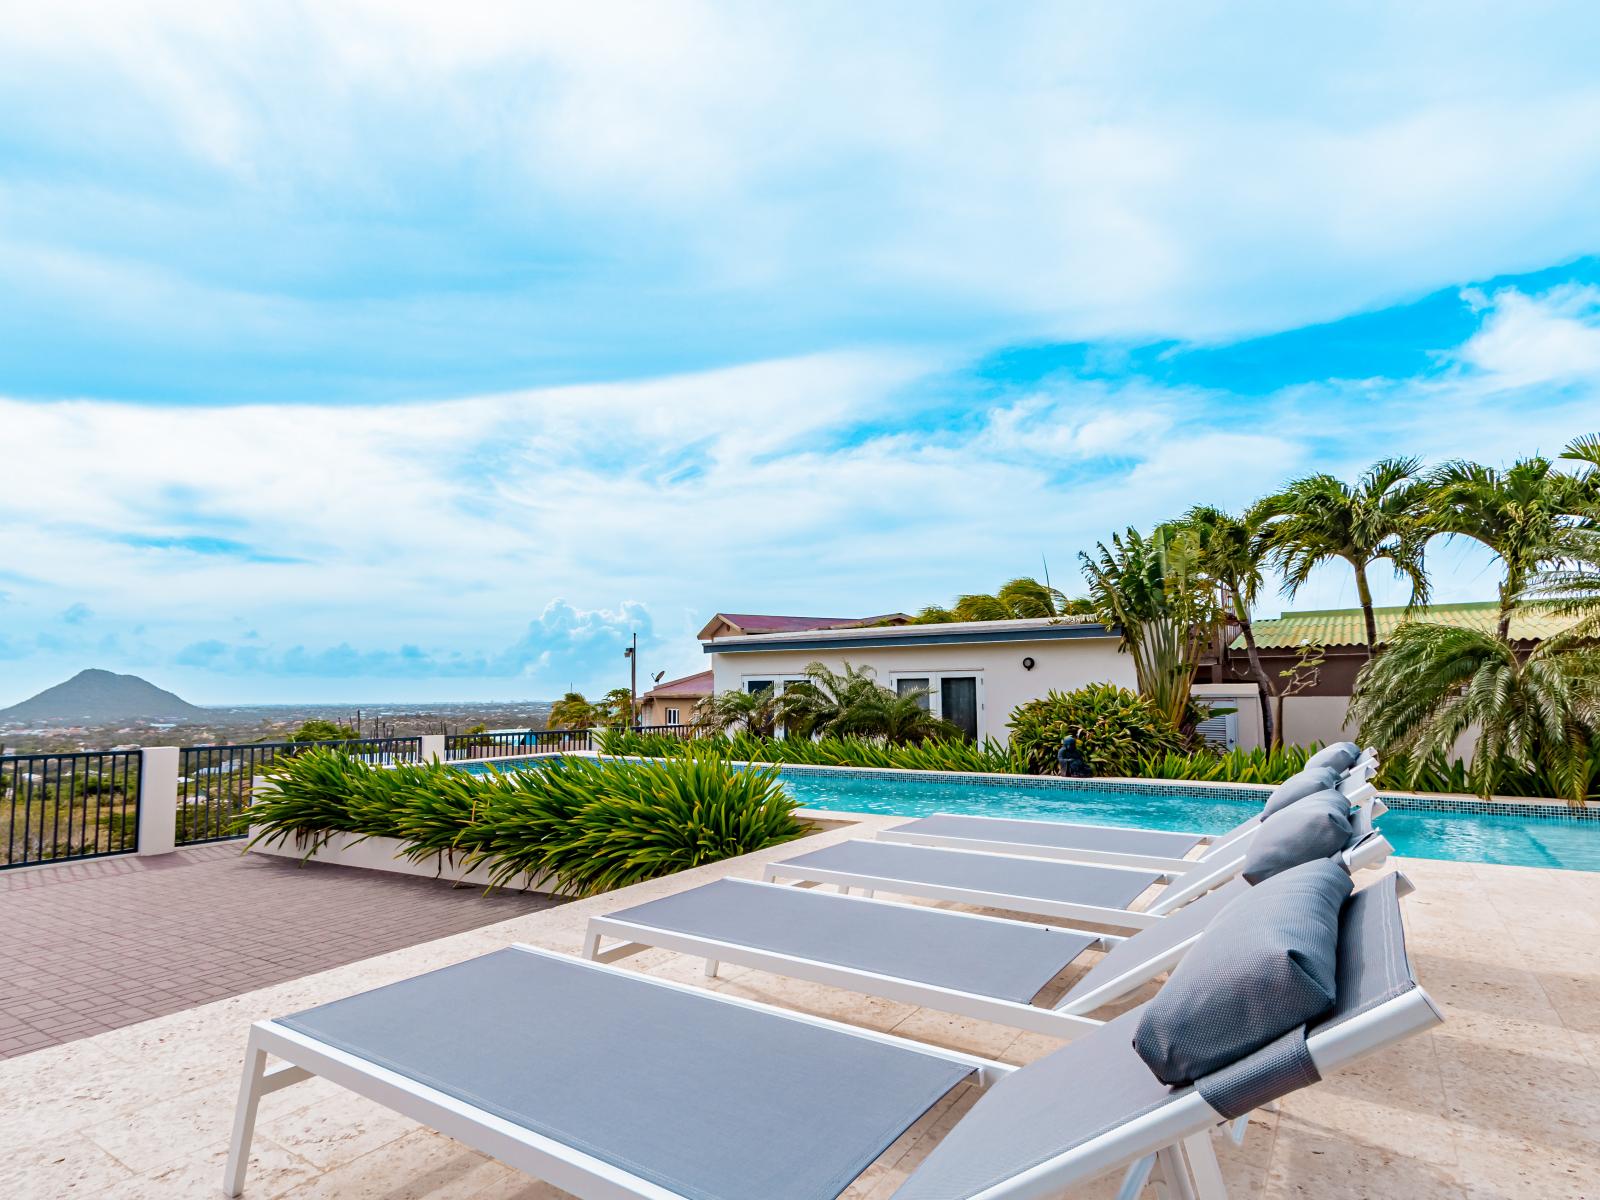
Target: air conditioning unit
{"points": [[1221, 730]]}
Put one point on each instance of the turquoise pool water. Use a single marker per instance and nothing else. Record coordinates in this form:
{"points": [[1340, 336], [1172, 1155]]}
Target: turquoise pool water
{"points": [[1519, 840]]}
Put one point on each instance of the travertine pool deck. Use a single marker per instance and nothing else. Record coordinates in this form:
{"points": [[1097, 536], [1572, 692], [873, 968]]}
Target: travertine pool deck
{"points": [[1503, 1100]]}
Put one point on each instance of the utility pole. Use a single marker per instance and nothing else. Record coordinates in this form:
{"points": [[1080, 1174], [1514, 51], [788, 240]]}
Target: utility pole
{"points": [[632, 655]]}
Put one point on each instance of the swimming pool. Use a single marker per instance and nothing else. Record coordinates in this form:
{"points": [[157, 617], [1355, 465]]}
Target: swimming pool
{"points": [[1521, 840], [1544, 836]]}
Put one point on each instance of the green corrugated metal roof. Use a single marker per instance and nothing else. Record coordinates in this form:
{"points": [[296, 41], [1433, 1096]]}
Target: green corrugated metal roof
{"points": [[1344, 626]]}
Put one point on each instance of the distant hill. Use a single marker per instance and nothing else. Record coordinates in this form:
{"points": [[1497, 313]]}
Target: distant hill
{"points": [[94, 697]]}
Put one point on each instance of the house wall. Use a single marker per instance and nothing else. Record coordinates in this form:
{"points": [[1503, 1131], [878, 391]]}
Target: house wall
{"points": [[1003, 683]]}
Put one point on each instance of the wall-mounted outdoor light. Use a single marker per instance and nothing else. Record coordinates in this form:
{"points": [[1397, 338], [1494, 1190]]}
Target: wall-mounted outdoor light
{"points": [[1027, 664]]}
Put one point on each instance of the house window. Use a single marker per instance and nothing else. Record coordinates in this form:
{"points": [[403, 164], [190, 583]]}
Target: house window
{"points": [[958, 698], [757, 685], [672, 717], [958, 703], [910, 683]]}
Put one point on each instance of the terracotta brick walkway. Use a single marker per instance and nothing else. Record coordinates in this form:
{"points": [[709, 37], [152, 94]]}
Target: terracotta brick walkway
{"points": [[91, 946]]}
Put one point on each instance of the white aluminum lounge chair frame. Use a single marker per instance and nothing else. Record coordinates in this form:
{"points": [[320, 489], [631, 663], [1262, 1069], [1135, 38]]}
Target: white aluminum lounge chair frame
{"points": [[1056, 1022], [540, 1156], [1355, 788], [1181, 889], [1177, 1134], [1183, 1127]]}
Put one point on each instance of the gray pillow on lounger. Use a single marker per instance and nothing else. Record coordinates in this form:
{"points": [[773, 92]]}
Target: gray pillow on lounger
{"points": [[1316, 827], [1265, 965], [1341, 756], [1308, 782]]}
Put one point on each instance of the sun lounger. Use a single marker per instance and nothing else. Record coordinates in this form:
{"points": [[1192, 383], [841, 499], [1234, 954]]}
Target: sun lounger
{"points": [[1112, 845], [609, 1084], [1098, 894], [975, 966]]}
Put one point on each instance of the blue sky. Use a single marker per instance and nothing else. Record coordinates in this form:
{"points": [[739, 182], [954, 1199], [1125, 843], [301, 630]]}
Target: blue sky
{"points": [[364, 351]]}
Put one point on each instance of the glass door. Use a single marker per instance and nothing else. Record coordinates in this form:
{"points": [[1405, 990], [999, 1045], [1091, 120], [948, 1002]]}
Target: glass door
{"points": [[958, 703]]}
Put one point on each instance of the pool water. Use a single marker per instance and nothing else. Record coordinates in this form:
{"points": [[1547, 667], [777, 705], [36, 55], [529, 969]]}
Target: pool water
{"points": [[1515, 840], [1519, 841]]}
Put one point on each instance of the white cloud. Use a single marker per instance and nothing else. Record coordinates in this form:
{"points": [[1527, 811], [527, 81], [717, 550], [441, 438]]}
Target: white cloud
{"points": [[1552, 338]]}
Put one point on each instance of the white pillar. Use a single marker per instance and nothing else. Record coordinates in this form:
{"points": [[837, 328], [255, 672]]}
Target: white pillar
{"points": [[158, 800], [432, 748]]}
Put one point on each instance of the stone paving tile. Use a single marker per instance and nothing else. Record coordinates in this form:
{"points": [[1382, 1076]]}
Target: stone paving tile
{"points": [[111, 942]]}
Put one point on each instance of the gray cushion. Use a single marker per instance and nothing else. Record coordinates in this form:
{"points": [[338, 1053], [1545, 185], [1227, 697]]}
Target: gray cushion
{"points": [[1316, 827], [1307, 782], [1341, 756], [1266, 965]]}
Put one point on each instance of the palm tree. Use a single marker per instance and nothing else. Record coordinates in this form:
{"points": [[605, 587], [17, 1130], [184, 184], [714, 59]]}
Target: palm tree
{"points": [[900, 718], [1436, 683], [827, 701], [1019, 598], [1153, 589], [1231, 555], [574, 711], [1522, 513], [755, 711], [616, 708], [1320, 519]]}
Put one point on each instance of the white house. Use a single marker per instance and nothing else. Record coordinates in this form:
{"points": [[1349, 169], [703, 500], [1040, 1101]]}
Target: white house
{"points": [[978, 670]]}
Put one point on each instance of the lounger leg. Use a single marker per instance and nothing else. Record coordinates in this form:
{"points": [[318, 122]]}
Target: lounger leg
{"points": [[1175, 1174], [244, 1117], [591, 945], [711, 968], [1204, 1168], [1137, 1175]]}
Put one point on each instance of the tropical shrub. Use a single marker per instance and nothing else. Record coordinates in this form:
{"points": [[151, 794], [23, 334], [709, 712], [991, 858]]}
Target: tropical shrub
{"points": [[589, 825], [1116, 729], [953, 754], [1234, 766]]}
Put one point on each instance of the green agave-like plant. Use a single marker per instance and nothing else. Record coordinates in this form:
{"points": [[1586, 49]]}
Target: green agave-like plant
{"points": [[587, 825], [952, 754], [1235, 766]]}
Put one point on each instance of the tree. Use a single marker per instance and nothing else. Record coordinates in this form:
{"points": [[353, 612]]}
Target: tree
{"points": [[1524, 513], [1018, 599], [1232, 557], [574, 711], [902, 719], [755, 711], [319, 730], [616, 708], [1435, 683], [826, 701], [1320, 519], [1153, 590]]}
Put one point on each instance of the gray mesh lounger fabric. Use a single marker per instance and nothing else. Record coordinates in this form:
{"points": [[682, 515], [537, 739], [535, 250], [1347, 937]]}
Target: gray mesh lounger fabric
{"points": [[1046, 1109], [1010, 960], [708, 1099], [1035, 878], [1056, 834], [1148, 944]]}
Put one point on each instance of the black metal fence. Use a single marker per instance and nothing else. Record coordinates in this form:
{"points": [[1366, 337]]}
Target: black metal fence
{"points": [[55, 807], [215, 782], [520, 741], [681, 732]]}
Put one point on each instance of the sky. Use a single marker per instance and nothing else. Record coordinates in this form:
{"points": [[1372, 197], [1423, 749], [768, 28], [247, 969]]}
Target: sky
{"points": [[380, 350]]}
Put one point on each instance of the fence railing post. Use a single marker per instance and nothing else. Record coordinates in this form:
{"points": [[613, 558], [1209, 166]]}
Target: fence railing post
{"points": [[158, 799], [432, 748]]}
